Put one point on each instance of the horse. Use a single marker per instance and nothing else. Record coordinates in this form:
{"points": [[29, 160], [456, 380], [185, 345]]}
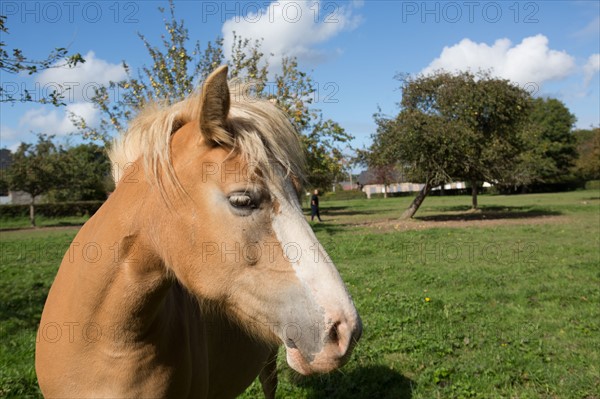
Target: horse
{"points": [[199, 265]]}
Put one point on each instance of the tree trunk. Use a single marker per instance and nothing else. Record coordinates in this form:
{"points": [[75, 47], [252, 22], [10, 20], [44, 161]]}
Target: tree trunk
{"points": [[474, 194], [32, 211], [385, 191], [414, 206]]}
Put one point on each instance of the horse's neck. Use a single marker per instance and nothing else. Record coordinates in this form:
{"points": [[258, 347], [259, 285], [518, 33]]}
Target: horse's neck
{"points": [[113, 276]]}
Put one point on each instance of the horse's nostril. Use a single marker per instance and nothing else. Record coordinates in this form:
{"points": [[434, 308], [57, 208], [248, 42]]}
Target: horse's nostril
{"points": [[333, 335], [290, 344]]}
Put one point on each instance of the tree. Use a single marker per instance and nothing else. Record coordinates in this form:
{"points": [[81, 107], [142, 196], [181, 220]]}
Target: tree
{"points": [[5, 161], [174, 73], [35, 170], [382, 162], [13, 61], [427, 147], [86, 171], [588, 148], [550, 149], [3, 185], [550, 127], [454, 127]]}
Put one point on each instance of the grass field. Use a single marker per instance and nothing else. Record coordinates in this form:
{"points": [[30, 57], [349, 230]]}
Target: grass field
{"points": [[502, 303]]}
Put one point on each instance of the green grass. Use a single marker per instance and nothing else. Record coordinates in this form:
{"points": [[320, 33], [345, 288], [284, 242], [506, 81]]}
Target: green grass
{"points": [[28, 262], [461, 310]]}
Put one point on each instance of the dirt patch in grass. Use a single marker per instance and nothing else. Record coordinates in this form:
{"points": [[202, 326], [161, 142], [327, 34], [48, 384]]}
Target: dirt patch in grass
{"points": [[420, 224]]}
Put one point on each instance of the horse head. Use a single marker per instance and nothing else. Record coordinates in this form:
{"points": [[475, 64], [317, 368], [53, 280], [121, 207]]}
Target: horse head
{"points": [[227, 223]]}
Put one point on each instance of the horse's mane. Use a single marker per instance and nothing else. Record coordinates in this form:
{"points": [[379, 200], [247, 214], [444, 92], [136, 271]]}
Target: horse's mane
{"points": [[258, 131]]}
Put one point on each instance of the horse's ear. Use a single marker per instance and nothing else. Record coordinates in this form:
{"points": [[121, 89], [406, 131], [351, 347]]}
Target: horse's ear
{"points": [[214, 107]]}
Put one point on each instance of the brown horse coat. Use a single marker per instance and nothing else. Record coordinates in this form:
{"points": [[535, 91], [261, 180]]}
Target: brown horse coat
{"points": [[198, 266]]}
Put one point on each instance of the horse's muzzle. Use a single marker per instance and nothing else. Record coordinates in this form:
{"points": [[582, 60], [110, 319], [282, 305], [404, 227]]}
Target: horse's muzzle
{"points": [[339, 339]]}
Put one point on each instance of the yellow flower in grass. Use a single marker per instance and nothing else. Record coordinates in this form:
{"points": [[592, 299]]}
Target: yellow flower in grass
{"points": [[427, 299]]}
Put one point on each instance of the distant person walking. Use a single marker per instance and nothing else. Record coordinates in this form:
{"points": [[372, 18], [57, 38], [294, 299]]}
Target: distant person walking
{"points": [[314, 206]]}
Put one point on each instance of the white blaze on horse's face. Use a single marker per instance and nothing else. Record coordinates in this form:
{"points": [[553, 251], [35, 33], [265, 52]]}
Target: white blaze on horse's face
{"points": [[320, 325]]}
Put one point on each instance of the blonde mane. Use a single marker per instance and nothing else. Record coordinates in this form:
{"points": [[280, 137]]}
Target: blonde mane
{"points": [[257, 130]]}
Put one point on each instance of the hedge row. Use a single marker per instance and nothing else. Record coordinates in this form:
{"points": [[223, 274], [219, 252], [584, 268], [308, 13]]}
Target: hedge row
{"points": [[592, 185], [59, 209]]}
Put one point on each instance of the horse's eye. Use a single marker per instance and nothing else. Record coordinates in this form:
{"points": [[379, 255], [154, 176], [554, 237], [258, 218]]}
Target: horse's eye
{"points": [[241, 201]]}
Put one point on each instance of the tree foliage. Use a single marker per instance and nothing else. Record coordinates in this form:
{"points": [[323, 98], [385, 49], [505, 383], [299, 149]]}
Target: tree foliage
{"points": [[35, 170], [60, 174], [176, 69], [552, 143], [381, 158], [453, 127], [14, 61], [85, 174], [587, 165]]}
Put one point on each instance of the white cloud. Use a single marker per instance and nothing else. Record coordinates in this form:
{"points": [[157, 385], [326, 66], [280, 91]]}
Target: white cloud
{"points": [[294, 28], [11, 138], [56, 121], [530, 61], [591, 68], [81, 79], [7, 135]]}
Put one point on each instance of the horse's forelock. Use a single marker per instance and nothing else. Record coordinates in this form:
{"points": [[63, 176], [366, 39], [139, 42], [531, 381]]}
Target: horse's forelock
{"points": [[258, 131]]}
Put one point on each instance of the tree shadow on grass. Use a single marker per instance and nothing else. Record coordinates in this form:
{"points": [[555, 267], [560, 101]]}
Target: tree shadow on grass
{"points": [[350, 212], [462, 213], [368, 382], [328, 228], [333, 211]]}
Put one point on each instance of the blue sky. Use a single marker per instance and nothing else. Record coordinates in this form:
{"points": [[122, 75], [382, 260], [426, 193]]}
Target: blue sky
{"points": [[353, 48]]}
